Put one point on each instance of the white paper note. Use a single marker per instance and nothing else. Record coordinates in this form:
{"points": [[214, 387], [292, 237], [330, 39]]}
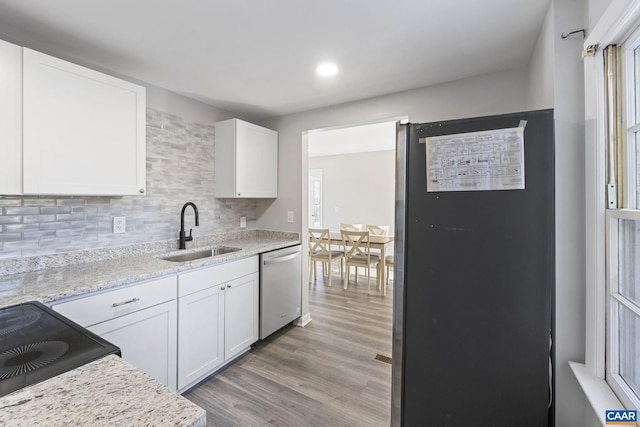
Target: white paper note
{"points": [[476, 161]]}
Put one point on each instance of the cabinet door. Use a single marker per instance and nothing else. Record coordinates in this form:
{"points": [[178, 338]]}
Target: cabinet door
{"points": [[83, 131], [241, 314], [256, 161], [201, 334], [11, 113], [147, 339]]}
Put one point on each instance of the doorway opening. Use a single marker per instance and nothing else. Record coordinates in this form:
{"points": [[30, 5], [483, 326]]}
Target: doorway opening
{"points": [[352, 171]]}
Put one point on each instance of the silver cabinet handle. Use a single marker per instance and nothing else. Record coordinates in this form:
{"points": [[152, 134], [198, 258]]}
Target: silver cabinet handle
{"points": [[222, 288], [118, 304], [228, 286]]}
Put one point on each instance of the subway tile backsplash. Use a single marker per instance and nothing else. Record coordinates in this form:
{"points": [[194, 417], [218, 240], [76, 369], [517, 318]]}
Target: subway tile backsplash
{"points": [[180, 168]]}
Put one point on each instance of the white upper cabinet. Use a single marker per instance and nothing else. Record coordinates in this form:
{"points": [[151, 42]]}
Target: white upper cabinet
{"points": [[246, 160], [68, 130], [11, 113], [83, 131]]}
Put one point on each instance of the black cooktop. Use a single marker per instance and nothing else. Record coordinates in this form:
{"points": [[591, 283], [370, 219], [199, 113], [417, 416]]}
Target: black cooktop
{"points": [[36, 343]]}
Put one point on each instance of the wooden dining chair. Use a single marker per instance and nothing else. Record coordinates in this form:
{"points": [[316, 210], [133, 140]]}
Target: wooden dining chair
{"points": [[388, 263], [378, 230], [351, 227], [320, 250], [357, 251]]}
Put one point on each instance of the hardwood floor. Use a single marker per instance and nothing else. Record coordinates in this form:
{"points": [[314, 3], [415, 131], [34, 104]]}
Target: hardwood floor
{"points": [[321, 375]]}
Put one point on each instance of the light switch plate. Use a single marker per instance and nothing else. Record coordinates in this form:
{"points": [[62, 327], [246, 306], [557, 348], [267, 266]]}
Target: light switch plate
{"points": [[290, 217], [243, 222], [119, 224]]}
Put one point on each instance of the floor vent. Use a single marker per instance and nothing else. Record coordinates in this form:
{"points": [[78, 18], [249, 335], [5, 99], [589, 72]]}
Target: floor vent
{"points": [[381, 358]]}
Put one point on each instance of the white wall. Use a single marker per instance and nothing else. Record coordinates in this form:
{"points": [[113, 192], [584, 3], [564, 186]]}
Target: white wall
{"points": [[490, 94], [594, 11], [556, 80], [570, 219], [541, 67], [495, 93], [181, 106], [357, 188]]}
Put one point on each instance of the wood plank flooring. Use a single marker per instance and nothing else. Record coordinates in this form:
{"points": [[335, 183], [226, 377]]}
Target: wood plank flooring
{"points": [[321, 375]]}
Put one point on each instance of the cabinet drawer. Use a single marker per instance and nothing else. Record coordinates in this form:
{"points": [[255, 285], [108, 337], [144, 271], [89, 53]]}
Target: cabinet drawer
{"points": [[112, 304], [198, 280]]}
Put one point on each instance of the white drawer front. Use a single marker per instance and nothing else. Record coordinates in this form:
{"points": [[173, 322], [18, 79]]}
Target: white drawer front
{"points": [[194, 281], [112, 304]]}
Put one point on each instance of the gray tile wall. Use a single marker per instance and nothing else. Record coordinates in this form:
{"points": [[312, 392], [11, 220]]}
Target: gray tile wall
{"points": [[179, 169]]}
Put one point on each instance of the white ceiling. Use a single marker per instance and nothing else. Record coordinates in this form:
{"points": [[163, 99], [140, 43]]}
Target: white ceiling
{"points": [[257, 57], [355, 139]]}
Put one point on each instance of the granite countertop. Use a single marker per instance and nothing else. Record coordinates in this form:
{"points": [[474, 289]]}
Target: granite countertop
{"points": [[57, 283], [109, 391], [102, 393]]}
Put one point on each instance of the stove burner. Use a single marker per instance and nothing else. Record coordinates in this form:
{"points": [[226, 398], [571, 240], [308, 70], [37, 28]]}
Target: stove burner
{"points": [[15, 320], [29, 357]]}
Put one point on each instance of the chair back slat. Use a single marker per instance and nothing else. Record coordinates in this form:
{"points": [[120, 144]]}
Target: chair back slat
{"points": [[351, 227], [356, 244], [318, 241], [378, 230]]}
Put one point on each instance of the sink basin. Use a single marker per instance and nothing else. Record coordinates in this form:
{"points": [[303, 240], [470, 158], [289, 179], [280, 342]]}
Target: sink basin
{"points": [[200, 254]]}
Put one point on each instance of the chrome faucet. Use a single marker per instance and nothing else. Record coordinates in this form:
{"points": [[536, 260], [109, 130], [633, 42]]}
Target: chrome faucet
{"points": [[183, 238]]}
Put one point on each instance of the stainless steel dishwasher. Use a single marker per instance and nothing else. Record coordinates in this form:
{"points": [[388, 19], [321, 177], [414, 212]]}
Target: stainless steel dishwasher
{"points": [[280, 288]]}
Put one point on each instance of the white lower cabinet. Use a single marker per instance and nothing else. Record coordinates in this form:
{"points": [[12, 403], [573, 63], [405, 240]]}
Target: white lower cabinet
{"points": [[241, 327], [217, 317], [201, 334], [147, 339], [178, 330], [140, 319]]}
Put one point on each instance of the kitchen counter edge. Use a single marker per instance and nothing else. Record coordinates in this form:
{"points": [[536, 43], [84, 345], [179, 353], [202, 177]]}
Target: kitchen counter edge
{"points": [[66, 398], [62, 283], [105, 392]]}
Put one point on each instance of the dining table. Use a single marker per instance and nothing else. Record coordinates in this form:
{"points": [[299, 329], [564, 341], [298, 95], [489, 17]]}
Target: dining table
{"points": [[375, 242]]}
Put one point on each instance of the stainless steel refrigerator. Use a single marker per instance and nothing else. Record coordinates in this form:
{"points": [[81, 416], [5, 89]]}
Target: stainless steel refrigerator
{"points": [[474, 272]]}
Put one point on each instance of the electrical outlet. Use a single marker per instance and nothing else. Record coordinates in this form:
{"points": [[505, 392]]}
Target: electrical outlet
{"points": [[119, 224], [290, 217], [243, 222]]}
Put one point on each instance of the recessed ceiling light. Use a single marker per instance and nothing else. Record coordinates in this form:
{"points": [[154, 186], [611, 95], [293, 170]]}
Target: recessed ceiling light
{"points": [[327, 69]]}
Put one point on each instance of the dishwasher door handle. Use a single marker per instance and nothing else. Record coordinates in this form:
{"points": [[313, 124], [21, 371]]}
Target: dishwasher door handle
{"points": [[281, 258]]}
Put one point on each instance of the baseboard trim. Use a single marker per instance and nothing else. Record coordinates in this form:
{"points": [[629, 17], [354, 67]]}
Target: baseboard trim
{"points": [[303, 320]]}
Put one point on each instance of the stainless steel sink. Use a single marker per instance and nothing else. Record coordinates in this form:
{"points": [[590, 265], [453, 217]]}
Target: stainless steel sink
{"points": [[191, 256]]}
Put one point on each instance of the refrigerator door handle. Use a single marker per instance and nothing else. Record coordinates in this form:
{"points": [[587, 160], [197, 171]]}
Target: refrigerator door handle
{"points": [[550, 370]]}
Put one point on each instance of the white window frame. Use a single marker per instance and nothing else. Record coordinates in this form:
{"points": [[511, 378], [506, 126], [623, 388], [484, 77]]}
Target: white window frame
{"points": [[615, 26], [629, 90], [615, 299], [631, 125]]}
